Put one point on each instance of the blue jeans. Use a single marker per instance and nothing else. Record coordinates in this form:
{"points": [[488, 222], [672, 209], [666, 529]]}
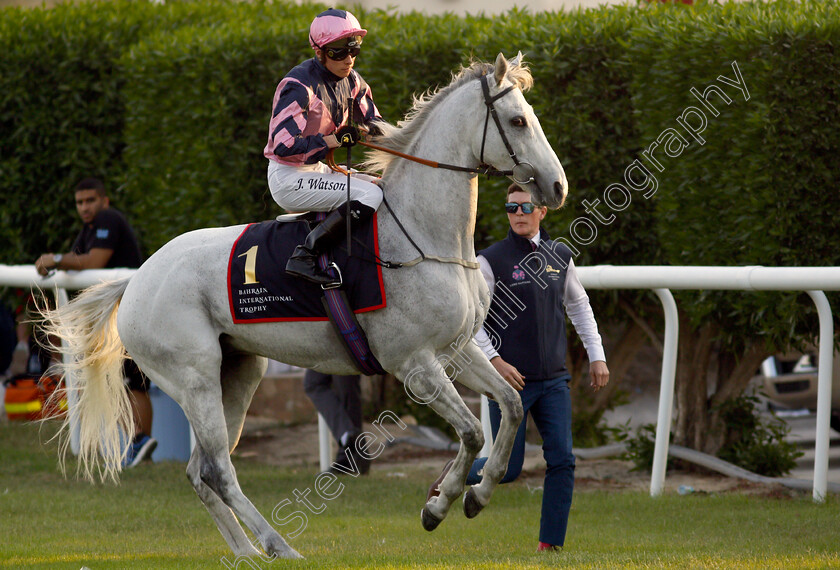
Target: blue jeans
{"points": [[550, 405]]}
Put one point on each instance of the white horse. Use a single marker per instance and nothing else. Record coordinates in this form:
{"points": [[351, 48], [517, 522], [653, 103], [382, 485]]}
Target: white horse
{"points": [[172, 317]]}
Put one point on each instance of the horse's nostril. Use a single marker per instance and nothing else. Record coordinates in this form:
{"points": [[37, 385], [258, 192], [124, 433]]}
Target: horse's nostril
{"points": [[559, 189]]}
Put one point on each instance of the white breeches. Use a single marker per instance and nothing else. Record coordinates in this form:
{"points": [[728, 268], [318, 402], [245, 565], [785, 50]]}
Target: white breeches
{"points": [[314, 187]]}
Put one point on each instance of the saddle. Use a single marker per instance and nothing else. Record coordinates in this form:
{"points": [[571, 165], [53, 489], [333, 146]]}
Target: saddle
{"points": [[260, 291]]}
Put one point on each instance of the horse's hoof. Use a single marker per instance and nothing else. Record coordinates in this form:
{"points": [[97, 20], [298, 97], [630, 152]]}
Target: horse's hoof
{"points": [[291, 554], [284, 551], [276, 547], [471, 505], [430, 522]]}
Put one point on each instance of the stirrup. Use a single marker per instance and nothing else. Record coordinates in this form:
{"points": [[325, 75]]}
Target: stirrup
{"points": [[334, 285]]}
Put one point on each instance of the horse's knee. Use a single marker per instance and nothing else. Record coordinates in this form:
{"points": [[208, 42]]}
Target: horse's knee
{"points": [[204, 492], [511, 406], [193, 472]]}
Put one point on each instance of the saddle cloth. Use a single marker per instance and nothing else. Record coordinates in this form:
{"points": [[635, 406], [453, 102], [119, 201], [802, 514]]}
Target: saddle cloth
{"points": [[259, 291]]}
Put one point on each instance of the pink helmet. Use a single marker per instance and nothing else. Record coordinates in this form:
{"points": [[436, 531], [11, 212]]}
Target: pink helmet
{"points": [[332, 25]]}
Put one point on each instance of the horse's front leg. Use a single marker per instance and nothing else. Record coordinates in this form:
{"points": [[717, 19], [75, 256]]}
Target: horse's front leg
{"points": [[479, 375], [426, 382]]}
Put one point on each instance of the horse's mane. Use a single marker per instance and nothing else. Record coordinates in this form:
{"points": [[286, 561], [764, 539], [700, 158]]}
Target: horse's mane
{"points": [[399, 137]]}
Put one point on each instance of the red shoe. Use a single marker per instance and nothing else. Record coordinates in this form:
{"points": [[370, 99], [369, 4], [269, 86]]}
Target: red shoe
{"points": [[545, 546]]}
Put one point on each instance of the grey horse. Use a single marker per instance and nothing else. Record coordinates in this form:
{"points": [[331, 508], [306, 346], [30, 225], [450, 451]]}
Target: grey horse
{"points": [[172, 316]]}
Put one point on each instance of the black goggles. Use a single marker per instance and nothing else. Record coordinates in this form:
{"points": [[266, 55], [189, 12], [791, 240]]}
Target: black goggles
{"points": [[512, 207], [341, 53]]}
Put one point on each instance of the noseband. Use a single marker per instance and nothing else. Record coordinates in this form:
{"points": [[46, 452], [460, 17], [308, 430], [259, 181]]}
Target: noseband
{"points": [[522, 172]]}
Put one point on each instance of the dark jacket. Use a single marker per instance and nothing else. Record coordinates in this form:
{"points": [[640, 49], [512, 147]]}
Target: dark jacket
{"points": [[527, 315]]}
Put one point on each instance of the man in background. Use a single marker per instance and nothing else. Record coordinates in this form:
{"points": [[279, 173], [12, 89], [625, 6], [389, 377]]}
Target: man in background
{"points": [[107, 241], [339, 400]]}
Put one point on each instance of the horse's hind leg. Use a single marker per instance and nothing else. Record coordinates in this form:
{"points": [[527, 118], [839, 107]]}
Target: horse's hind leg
{"points": [[184, 393], [224, 518], [201, 393], [427, 382], [240, 376]]}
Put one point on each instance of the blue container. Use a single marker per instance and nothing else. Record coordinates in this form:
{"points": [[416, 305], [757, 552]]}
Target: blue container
{"points": [[169, 427]]}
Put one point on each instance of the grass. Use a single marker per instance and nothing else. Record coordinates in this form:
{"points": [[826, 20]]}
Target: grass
{"points": [[153, 519]]}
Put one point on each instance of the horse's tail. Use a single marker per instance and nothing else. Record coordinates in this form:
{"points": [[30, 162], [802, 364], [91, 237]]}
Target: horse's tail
{"points": [[93, 360]]}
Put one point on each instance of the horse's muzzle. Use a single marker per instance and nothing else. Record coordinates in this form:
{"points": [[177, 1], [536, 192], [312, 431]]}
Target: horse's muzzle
{"points": [[560, 191]]}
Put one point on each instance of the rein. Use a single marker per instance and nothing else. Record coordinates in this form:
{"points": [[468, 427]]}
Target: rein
{"points": [[423, 256], [486, 170]]}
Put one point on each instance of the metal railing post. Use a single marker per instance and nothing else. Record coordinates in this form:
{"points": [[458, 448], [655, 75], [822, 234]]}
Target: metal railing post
{"points": [[824, 369], [666, 391], [324, 443]]}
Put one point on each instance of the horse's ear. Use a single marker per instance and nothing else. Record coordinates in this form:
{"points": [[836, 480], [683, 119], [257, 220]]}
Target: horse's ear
{"points": [[516, 61], [501, 68]]}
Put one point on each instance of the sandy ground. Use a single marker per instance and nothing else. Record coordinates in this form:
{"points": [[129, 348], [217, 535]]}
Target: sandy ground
{"points": [[297, 446]]}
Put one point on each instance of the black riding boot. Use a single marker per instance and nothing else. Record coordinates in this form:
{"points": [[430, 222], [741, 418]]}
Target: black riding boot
{"points": [[304, 260]]}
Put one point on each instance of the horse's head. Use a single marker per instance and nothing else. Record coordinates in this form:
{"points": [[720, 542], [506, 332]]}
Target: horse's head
{"points": [[509, 140], [516, 141]]}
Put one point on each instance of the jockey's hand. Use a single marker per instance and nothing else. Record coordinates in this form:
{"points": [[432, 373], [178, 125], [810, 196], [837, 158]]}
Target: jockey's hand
{"points": [[509, 373], [348, 136]]}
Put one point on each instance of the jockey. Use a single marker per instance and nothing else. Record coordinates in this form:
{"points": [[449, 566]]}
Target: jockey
{"points": [[311, 114]]}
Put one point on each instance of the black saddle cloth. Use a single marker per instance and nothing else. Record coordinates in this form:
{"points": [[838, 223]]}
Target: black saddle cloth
{"points": [[259, 290]]}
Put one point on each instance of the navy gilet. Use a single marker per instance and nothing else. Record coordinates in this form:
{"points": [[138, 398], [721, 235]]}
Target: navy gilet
{"points": [[527, 320]]}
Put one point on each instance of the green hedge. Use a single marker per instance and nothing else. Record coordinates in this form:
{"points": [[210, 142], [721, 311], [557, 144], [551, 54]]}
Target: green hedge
{"points": [[197, 108], [171, 104], [581, 94], [62, 109], [762, 188], [60, 116]]}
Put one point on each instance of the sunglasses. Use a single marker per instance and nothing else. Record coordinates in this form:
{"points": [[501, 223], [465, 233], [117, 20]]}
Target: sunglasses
{"points": [[512, 207], [341, 53]]}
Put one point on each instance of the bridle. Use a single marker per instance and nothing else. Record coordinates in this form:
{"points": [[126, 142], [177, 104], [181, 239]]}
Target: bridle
{"points": [[491, 110], [522, 172]]}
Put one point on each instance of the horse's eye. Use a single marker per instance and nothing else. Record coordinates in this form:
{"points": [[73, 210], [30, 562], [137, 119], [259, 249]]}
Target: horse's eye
{"points": [[519, 121]]}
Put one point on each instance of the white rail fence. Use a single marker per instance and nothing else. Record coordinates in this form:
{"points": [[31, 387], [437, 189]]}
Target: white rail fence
{"points": [[60, 282], [659, 279]]}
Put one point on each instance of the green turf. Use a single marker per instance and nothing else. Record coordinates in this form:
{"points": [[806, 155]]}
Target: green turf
{"points": [[154, 520]]}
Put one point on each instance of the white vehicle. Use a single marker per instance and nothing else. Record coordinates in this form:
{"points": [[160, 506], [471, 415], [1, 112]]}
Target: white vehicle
{"points": [[790, 381]]}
